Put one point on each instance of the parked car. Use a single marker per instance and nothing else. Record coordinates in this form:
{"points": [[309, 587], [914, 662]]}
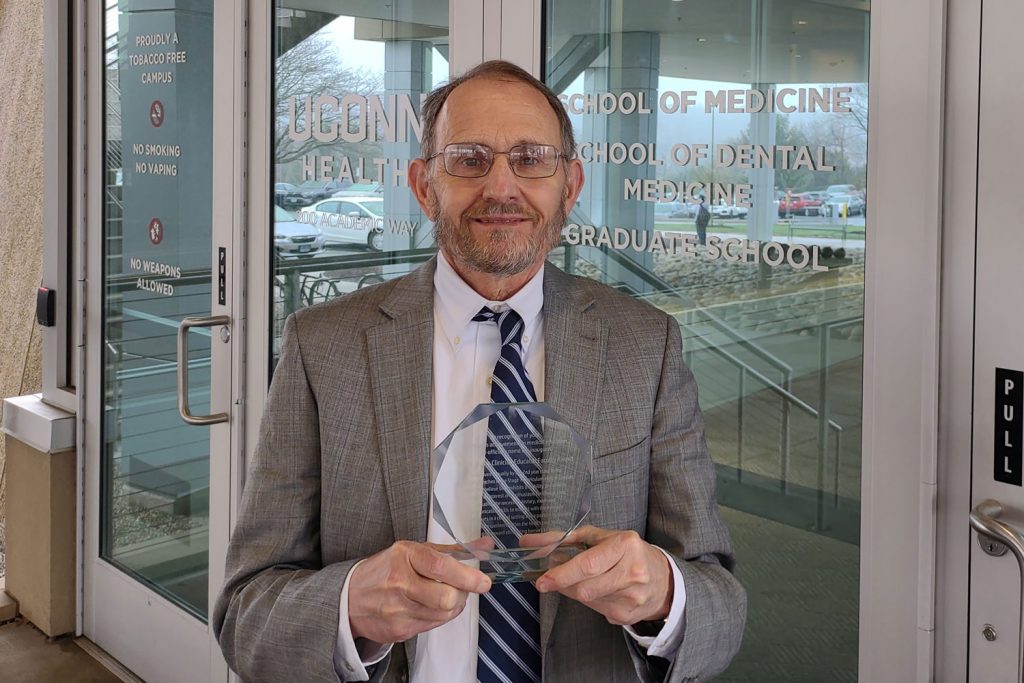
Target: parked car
{"points": [[360, 190], [293, 239], [833, 190], [853, 203], [281, 192], [723, 210], [664, 210], [309, 192], [686, 210], [348, 220], [802, 203]]}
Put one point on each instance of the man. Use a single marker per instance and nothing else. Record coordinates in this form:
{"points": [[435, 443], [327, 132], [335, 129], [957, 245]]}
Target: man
{"points": [[336, 556], [703, 218]]}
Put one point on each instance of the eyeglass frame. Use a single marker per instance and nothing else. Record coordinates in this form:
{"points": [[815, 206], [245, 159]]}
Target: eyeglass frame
{"points": [[559, 155]]}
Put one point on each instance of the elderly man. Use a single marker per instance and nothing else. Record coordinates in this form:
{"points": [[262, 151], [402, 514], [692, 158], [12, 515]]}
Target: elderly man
{"points": [[335, 567]]}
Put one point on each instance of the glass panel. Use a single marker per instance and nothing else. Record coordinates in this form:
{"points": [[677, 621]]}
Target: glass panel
{"points": [[157, 241], [343, 214], [760, 109]]}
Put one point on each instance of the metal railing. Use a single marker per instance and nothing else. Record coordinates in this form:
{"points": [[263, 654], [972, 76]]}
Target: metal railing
{"points": [[695, 316]]}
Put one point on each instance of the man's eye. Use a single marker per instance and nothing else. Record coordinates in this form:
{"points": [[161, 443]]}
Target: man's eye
{"points": [[470, 160]]}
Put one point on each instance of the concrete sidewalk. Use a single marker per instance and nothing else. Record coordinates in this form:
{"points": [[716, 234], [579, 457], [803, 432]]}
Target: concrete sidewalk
{"points": [[28, 656]]}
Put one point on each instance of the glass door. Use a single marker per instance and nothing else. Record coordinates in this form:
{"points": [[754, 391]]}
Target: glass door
{"points": [[157, 502], [725, 150]]}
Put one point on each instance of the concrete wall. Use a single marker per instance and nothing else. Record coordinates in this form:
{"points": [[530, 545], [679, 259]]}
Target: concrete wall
{"points": [[21, 193], [41, 538]]}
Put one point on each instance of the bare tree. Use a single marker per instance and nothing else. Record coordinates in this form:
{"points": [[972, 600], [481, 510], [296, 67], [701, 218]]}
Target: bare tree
{"points": [[859, 106], [314, 67]]}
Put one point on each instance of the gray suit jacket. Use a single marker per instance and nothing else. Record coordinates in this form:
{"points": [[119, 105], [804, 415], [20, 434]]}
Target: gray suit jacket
{"points": [[341, 472]]}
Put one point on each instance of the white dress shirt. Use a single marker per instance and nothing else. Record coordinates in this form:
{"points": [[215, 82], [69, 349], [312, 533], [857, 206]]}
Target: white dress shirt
{"points": [[465, 353]]}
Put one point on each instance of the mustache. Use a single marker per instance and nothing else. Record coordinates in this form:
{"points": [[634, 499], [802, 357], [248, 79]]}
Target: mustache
{"points": [[503, 209]]}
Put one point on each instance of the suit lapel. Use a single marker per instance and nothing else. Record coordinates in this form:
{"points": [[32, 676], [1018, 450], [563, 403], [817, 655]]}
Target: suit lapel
{"points": [[574, 355], [400, 352]]}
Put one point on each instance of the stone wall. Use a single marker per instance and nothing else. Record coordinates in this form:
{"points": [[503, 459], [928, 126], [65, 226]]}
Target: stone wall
{"points": [[21, 199]]}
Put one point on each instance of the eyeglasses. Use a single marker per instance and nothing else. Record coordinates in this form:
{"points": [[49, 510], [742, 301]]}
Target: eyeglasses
{"points": [[471, 160]]}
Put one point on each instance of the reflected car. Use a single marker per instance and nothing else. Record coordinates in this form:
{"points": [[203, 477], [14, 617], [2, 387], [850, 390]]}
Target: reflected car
{"points": [[311, 191], [723, 210], [686, 210], [854, 205], [360, 190], [293, 239], [846, 188], [664, 210], [802, 203], [281, 192], [348, 220]]}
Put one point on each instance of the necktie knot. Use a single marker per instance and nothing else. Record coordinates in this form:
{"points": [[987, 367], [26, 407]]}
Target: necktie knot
{"points": [[510, 325]]}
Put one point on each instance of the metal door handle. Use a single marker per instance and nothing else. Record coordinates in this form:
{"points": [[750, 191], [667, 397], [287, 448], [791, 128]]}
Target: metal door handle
{"points": [[985, 520], [183, 328]]}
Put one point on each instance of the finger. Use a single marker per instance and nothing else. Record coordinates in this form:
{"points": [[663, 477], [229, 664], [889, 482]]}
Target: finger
{"points": [[435, 596], [588, 564], [431, 564], [482, 543], [444, 548], [598, 589], [540, 540], [590, 535]]}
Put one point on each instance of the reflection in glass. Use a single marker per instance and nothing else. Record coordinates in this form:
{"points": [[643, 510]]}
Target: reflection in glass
{"points": [[347, 88], [728, 109], [157, 240]]}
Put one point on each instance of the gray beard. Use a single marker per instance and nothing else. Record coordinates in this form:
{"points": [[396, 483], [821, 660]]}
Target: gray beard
{"points": [[502, 254]]}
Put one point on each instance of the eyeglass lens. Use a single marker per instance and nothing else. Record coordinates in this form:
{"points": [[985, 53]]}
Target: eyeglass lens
{"points": [[475, 161]]}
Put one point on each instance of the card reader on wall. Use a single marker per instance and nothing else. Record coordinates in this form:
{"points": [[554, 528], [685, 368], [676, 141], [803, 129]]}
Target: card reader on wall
{"points": [[46, 306]]}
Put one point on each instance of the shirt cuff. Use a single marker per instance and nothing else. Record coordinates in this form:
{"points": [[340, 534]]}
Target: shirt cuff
{"points": [[670, 637], [351, 658]]}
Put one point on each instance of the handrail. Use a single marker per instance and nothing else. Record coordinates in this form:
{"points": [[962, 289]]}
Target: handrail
{"points": [[663, 287], [810, 410]]}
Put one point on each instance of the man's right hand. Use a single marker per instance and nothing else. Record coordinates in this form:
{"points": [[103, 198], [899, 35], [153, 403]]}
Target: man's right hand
{"points": [[407, 589]]}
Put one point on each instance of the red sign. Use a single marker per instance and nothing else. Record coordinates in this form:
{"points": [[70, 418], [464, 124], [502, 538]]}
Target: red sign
{"points": [[156, 231], [156, 113]]}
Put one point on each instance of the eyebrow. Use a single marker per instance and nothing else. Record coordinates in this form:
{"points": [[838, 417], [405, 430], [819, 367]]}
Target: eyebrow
{"points": [[520, 141]]}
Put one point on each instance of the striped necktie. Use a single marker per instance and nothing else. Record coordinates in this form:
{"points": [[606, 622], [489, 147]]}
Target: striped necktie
{"points": [[509, 637]]}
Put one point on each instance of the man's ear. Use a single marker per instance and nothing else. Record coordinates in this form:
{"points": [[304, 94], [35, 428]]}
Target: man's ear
{"points": [[418, 175], [573, 184]]}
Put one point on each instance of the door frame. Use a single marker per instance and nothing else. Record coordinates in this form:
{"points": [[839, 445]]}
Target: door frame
{"points": [[116, 609], [899, 519], [960, 168]]}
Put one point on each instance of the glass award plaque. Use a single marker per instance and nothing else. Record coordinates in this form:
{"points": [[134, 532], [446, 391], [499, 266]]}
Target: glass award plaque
{"points": [[509, 484]]}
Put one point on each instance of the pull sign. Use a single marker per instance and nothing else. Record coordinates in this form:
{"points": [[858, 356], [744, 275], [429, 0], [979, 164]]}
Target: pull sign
{"points": [[1009, 421], [222, 276]]}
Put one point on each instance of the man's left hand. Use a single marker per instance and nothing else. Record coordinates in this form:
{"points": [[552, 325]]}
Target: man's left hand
{"points": [[620, 575]]}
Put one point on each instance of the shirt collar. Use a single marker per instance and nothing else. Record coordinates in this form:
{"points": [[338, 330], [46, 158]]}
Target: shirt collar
{"points": [[455, 302]]}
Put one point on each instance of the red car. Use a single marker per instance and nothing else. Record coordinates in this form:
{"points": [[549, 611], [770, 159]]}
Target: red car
{"points": [[803, 203]]}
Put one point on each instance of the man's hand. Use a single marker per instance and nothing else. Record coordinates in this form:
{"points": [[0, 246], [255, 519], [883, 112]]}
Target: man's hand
{"points": [[407, 589], [620, 575]]}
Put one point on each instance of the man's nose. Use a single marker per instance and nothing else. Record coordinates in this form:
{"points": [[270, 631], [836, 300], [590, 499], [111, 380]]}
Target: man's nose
{"points": [[501, 184]]}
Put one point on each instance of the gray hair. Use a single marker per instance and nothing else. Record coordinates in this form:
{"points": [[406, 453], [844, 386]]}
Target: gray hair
{"points": [[499, 70]]}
